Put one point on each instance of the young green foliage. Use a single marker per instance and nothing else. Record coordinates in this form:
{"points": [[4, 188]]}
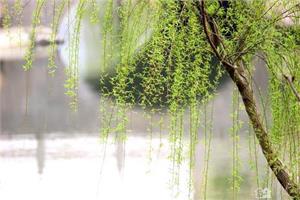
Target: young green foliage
{"points": [[29, 56]]}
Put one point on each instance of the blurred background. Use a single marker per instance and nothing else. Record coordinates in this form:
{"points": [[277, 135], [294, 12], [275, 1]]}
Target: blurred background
{"points": [[49, 152]]}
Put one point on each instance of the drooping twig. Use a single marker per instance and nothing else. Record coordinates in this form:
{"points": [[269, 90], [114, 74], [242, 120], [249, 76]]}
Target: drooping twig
{"points": [[291, 84]]}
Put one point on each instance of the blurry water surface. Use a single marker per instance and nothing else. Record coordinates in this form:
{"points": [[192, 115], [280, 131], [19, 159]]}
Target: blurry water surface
{"points": [[74, 167]]}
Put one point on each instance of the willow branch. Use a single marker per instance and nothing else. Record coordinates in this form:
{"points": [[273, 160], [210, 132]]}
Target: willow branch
{"points": [[294, 90]]}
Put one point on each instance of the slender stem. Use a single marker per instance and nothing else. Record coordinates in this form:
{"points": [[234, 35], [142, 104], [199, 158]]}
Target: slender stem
{"points": [[294, 90]]}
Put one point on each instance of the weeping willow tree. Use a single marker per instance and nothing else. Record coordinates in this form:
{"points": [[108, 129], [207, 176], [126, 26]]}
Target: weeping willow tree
{"points": [[169, 56]]}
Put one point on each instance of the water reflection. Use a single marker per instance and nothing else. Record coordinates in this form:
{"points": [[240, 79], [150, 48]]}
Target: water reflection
{"points": [[40, 151], [72, 169], [120, 155]]}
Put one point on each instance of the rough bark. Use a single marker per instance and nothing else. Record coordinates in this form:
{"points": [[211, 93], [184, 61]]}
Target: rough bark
{"points": [[242, 81]]}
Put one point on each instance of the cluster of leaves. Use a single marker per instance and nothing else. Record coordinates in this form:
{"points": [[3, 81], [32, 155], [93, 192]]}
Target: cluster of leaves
{"points": [[35, 22], [58, 11], [173, 66], [6, 21], [18, 11], [72, 72]]}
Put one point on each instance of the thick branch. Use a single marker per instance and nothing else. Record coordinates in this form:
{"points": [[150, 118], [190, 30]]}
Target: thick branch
{"points": [[238, 76]]}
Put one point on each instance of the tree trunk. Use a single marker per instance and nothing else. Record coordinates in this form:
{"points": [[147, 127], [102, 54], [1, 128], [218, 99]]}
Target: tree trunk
{"points": [[271, 156], [241, 80]]}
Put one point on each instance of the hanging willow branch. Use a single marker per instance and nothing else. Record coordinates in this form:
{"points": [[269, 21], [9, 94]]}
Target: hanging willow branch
{"points": [[238, 75]]}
